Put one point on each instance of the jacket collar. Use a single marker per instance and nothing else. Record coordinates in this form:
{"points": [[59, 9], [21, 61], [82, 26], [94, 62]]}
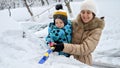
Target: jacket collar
{"points": [[95, 23]]}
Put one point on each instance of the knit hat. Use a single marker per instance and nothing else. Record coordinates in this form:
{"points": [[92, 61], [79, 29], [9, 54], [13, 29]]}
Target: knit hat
{"points": [[89, 5], [60, 14]]}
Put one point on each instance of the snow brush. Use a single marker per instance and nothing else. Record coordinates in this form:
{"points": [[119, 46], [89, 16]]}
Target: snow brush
{"points": [[46, 55]]}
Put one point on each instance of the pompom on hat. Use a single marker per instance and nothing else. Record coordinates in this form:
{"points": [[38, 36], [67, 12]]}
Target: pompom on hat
{"points": [[60, 14], [58, 7], [89, 5]]}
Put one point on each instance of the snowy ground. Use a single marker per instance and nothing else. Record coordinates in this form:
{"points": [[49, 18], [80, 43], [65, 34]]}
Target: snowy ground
{"points": [[18, 52]]}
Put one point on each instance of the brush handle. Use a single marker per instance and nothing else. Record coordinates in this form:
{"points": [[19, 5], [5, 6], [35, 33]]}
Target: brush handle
{"points": [[46, 55]]}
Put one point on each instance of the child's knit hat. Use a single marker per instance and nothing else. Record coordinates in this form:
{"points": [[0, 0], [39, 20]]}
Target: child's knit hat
{"points": [[60, 14]]}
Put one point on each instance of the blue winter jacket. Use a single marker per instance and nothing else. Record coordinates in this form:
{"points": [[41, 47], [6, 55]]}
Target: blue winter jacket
{"points": [[60, 35]]}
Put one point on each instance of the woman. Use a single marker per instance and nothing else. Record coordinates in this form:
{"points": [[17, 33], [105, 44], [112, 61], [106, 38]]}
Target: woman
{"points": [[87, 29]]}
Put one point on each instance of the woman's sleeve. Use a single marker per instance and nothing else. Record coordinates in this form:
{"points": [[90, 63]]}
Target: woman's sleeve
{"points": [[87, 46]]}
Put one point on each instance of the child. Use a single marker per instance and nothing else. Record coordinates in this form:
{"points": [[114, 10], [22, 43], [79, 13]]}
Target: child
{"points": [[60, 30]]}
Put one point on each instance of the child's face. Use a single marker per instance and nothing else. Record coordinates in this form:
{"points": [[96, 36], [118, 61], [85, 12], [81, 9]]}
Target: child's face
{"points": [[59, 23]]}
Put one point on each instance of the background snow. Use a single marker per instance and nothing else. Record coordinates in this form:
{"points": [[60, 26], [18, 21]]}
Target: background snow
{"points": [[18, 52]]}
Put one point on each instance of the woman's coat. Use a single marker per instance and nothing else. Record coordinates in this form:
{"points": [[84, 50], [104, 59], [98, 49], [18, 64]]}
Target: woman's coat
{"points": [[85, 38]]}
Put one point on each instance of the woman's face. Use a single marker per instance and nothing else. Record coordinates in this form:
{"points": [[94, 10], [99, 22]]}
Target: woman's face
{"points": [[86, 15], [59, 23]]}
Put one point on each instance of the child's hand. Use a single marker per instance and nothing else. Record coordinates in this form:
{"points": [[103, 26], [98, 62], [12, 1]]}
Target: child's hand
{"points": [[51, 44]]}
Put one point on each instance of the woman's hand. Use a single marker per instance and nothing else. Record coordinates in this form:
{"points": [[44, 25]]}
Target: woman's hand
{"points": [[58, 47]]}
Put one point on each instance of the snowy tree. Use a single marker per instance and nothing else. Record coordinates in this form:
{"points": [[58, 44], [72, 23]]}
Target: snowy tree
{"points": [[9, 10], [42, 2], [69, 8], [47, 2], [29, 9]]}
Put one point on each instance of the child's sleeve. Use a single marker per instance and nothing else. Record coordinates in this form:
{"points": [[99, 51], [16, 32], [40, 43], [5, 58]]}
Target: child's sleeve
{"points": [[50, 27], [49, 38]]}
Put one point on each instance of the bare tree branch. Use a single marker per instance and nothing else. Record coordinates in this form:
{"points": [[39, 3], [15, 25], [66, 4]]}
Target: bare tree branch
{"points": [[28, 8]]}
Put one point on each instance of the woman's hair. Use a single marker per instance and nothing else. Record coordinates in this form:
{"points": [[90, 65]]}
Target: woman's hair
{"points": [[93, 15]]}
